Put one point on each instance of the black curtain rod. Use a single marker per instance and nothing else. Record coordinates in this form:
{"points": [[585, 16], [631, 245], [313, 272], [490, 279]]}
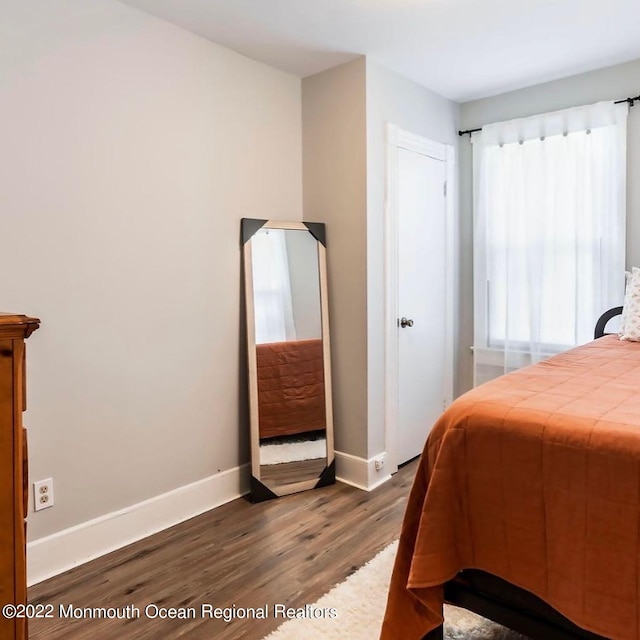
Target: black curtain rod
{"points": [[631, 102]]}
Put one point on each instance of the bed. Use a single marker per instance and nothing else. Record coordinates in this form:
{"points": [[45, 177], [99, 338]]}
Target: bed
{"points": [[291, 395], [526, 504]]}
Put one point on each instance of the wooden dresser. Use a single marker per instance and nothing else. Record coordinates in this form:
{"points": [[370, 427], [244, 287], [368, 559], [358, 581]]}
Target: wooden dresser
{"points": [[14, 329]]}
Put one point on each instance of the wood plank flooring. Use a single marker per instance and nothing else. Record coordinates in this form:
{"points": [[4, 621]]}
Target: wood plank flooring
{"points": [[274, 475], [291, 551]]}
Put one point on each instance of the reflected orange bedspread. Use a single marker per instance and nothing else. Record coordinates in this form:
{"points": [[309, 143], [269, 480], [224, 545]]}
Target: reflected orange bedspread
{"points": [[291, 397], [534, 477]]}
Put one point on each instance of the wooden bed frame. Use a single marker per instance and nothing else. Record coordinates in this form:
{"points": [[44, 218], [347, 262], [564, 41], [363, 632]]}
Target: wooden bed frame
{"points": [[508, 605]]}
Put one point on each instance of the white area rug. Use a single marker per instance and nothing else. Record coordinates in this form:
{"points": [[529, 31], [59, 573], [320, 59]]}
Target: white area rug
{"points": [[360, 601], [293, 451]]}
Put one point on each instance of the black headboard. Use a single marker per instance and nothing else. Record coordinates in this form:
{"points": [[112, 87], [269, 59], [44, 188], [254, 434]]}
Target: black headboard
{"points": [[602, 321]]}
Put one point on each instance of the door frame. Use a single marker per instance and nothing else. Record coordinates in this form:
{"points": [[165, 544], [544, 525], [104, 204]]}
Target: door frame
{"points": [[398, 138]]}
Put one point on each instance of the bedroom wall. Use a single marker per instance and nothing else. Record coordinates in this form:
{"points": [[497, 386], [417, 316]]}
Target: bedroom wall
{"points": [[395, 99], [345, 110], [334, 177], [130, 151], [612, 83]]}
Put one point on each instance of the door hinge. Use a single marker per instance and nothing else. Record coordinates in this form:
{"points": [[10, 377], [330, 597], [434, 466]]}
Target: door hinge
{"points": [[445, 189]]}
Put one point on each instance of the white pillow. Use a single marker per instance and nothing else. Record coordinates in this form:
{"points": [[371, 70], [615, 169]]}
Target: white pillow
{"points": [[630, 323], [627, 279]]}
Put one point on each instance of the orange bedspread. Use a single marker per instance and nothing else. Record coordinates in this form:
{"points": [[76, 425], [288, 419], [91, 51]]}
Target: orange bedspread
{"points": [[291, 396], [534, 477]]}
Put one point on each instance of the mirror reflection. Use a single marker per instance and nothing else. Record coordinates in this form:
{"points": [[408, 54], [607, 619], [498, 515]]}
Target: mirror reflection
{"points": [[289, 395]]}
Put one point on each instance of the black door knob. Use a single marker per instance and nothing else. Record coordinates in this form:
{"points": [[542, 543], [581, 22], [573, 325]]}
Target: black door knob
{"points": [[406, 323]]}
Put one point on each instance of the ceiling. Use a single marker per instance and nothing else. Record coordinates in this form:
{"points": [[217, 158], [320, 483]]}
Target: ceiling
{"points": [[461, 49]]}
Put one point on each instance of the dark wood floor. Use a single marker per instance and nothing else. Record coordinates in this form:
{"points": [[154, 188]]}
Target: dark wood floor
{"points": [[291, 550], [274, 475]]}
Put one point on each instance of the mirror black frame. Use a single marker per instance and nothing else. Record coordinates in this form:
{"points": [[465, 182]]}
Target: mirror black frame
{"points": [[259, 489]]}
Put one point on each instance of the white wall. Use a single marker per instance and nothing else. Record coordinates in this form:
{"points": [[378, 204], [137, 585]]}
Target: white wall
{"points": [[345, 111], [334, 160], [130, 151], [391, 98], [613, 83]]}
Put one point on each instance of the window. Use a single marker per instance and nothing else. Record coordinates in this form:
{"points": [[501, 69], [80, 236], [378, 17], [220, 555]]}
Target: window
{"points": [[272, 287], [549, 233]]}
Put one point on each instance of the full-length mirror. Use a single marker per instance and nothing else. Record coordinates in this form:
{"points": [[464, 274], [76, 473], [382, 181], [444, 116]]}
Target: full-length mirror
{"points": [[288, 357]]}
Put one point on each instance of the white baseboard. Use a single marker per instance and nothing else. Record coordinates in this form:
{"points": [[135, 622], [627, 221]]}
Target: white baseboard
{"points": [[61, 551], [359, 472]]}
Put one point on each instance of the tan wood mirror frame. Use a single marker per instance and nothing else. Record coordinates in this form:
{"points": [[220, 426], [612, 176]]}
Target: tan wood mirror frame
{"points": [[289, 363]]}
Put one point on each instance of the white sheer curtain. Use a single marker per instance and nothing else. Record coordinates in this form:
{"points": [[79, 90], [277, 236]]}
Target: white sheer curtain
{"points": [[271, 287], [549, 233]]}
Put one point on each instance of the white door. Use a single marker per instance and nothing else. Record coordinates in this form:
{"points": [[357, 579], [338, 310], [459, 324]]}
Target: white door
{"points": [[423, 347]]}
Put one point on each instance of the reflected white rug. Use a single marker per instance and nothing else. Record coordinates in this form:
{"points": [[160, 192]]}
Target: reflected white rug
{"points": [[293, 451], [360, 601]]}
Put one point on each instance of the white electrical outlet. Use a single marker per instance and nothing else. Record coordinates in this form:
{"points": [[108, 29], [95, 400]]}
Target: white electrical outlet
{"points": [[43, 494], [379, 462]]}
